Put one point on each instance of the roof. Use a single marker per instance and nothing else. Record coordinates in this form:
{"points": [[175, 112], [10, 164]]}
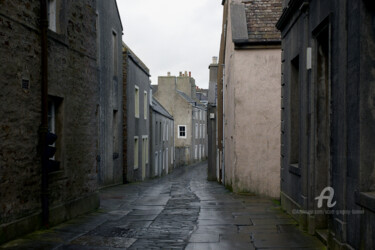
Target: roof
{"points": [[135, 58], [155, 88], [157, 107], [201, 96], [190, 100], [253, 22]]}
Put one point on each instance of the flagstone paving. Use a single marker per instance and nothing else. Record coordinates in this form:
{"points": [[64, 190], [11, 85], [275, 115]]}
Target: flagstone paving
{"points": [[178, 211]]}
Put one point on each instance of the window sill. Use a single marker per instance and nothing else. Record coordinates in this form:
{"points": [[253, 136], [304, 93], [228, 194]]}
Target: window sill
{"points": [[295, 169], [366, 200]]}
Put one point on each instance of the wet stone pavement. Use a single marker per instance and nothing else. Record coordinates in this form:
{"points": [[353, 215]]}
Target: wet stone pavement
{"points": [[178, 211]]}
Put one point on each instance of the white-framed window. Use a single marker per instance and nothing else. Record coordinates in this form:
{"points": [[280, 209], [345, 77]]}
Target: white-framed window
{"points": [[114, 53], [196, 130], [167, 134], [196, 152], [200, 152], [166, 159], [145, 110], [156, 163], [145, 148], [163, 162], [151, 97], [200, 130], [203, 155], [136, 152], [171, 155], [182, 132], [136, 101], [204, 131], [52, 12]]}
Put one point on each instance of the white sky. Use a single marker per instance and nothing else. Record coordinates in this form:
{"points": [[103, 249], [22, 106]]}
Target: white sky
{"points": [[173, 35]]}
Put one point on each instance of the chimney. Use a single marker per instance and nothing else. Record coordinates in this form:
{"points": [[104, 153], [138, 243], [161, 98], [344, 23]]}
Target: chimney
{"points": [[180, 73], [189, 73], [169, 74], [214, 60], [186, 73]]}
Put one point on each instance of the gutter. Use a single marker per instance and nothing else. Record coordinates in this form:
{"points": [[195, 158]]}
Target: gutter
{"points": [[43, 129]]}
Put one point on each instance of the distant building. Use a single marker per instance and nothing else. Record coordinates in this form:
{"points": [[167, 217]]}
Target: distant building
{"points": [[63, 64], [110, 140], [202, 95], [161, 140], [137, 93], [328, 119], [214, 171], [178, 97], [249, 95]]}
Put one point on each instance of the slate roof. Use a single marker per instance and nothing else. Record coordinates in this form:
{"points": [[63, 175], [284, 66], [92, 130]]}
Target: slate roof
{"points": [[156, 106], [261, 17], [193, 102], [254, 22]]}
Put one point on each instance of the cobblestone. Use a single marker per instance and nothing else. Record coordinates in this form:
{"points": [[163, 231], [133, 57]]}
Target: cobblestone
{"points": [[179, 211]]}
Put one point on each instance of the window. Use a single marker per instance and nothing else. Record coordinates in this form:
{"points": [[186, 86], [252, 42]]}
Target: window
{"points": [[52, 15], [182, 131], [203, 155], [200, 152], [163, 160], [294, 112], [145, 105], [201, 131], [145, 148], [55, 124], [166, 159], [151, 97], [115, 134], [156, 163], [171, 155], [167, 134], [196, 130], [115, 53], [136, 152], [196, 152], [136, 101]]}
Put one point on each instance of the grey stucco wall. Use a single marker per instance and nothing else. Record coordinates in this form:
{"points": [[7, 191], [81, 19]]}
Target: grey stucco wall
{"points": [[350, 166], [110, 93], [161, 163], [136, 76]]}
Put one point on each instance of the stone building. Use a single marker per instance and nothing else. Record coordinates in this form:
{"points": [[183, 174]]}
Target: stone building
{"points": [[178, 97], [250, 86], [161, 140], [137, 126], [54, 52], [328, 121], [213, 169], [109, 33]]}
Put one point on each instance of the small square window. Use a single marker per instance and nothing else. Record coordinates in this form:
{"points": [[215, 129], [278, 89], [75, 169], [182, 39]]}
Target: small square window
{"points": [[182, 131]]}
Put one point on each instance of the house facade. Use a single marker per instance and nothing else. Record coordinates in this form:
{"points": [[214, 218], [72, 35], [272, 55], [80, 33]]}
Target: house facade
{"points": [[59, 58], [328, 131], [110, 139], [178, 97], [249, 97], [161, 140], [137, 127]]}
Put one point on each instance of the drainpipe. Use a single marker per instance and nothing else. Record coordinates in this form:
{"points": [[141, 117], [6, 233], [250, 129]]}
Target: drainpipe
{"points": [[44, 101]]}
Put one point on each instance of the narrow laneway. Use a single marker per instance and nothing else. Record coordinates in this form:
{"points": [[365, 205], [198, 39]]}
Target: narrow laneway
{"points": [[181, 210]]}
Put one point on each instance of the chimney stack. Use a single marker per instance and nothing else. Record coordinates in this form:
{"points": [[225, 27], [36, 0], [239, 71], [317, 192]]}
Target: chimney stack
{"points": [[189, 73], [169, 74], [186, 73], [180, 73], [214, 60]]}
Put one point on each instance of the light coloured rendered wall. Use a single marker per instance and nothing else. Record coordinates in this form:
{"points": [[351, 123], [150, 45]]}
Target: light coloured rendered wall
{"points": [[252, 119]]}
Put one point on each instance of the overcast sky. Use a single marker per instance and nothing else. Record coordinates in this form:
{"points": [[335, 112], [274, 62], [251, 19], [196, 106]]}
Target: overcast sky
{"points": [[173, 35]]}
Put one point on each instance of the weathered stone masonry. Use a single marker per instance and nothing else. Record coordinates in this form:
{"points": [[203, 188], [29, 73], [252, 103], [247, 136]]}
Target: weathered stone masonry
{"points": [[73, 88]]}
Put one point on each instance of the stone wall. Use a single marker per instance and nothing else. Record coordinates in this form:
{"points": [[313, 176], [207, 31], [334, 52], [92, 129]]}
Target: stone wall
{"points": [[73, 87]]}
